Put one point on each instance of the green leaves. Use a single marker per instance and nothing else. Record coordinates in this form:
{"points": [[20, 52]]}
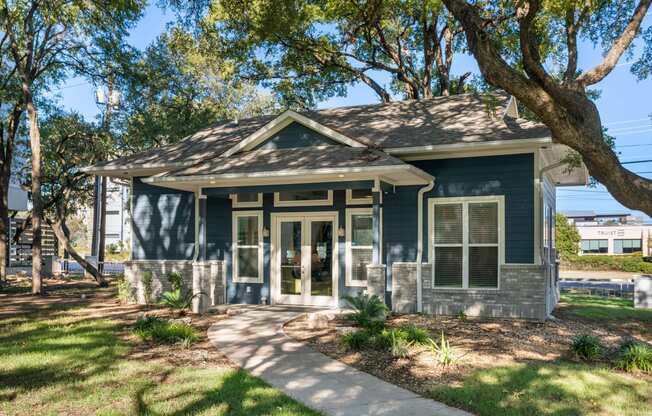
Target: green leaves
{"points": [[567, 238]]}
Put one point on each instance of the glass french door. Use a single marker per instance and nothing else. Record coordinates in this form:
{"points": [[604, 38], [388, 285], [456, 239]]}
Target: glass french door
{"points": [[305, 266]]}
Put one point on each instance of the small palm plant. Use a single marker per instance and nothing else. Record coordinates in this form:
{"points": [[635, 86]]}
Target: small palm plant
{"points": [[443, 351], [369, 310], [177, 299]]}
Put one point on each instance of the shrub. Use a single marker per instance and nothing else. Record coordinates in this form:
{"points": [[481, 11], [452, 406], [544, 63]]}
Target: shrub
{"points": [[383, 339], [399, 347], [162, 331], [416, 335], [631, 264], [147, 280], [125, 290], [176, 299], [176, 280], [368, 310], [635, 356], [443, 351], [586, 347], [356, 340]]}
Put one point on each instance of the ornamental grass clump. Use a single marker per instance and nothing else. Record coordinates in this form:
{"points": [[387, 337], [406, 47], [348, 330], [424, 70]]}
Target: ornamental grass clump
{"points": [[443, 351], [416, 335], [587, 347], [162, 331], [634, 356], [356, 341]]}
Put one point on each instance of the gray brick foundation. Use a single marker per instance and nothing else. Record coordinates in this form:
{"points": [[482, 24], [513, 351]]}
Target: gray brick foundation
{"points": [[376, 282], [522, 294], [198, 277]]}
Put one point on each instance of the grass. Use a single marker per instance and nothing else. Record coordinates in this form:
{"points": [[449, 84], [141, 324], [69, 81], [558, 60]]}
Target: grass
{"points": [[550, 389], [596, 307], [66, 362]]}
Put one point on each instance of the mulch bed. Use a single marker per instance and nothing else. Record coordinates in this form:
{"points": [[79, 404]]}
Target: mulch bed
{"points": [[479, 343]]}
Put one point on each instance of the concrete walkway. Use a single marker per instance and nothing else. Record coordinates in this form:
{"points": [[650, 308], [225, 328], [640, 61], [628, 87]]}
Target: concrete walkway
{"points": [[254, 339]]}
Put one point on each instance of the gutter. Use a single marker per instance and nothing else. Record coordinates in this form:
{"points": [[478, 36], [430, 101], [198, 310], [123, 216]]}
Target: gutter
{"points": [[420, 194]]}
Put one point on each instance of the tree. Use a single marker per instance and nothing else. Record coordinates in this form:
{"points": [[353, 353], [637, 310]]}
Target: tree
{"points": [[175, 88], [308, 51], [567, 238], [46, 39], [548, 32], [11, 113]]}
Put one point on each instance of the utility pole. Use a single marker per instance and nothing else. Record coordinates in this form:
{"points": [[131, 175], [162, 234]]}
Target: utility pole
{"points": [[99, 219]]}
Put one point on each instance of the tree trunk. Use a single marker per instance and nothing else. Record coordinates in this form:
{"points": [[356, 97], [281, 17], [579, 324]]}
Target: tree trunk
{"points": [[37, 208], [4, 222], [61, 231]]}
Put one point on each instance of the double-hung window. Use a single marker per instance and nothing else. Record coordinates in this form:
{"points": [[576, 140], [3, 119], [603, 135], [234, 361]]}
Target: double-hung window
{"points": [[248, 246], [466, 241], [359, 245]]}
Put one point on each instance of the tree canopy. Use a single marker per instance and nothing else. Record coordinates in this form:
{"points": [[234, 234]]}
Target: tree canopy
{"points": [[529, 48], [308, 51]]}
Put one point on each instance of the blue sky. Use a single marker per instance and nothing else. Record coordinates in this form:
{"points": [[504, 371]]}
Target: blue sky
{"points": [[625, 107]]}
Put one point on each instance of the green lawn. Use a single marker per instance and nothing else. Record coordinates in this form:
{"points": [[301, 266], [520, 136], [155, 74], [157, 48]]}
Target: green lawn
{"points": [[72, 364], [550, 389], [561, 387], [596, 307]]}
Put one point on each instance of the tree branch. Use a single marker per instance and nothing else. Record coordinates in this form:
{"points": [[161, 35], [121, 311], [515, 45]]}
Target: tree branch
{"points": [[598, 72]]}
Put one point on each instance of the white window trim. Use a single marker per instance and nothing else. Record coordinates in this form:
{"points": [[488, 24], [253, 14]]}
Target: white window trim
{"points": [[236, 215], [254, 204], [310, 203], [500, 199], [350, 200], [350, 212]]}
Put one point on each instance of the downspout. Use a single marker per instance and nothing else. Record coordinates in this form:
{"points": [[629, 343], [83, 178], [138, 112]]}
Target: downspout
{"points": [[420, 194]]}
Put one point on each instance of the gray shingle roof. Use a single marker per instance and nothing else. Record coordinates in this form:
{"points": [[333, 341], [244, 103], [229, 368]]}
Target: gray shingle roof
{"points": [[298, 159], [466, 118]]}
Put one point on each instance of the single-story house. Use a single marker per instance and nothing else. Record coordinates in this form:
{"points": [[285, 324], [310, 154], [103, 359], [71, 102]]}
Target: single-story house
{"points": [[441, 206]]}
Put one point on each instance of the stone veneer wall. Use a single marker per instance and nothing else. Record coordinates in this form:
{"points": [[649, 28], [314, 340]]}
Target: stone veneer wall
{"points": [[376, 280], [522, 294], [199, 277]]}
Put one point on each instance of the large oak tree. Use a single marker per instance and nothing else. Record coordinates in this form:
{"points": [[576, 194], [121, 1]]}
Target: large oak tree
{"points": [[546, 34]]}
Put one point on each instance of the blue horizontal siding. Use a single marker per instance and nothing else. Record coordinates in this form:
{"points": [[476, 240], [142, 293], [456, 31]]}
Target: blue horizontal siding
{"points": [[508, 175], [163, 224]]}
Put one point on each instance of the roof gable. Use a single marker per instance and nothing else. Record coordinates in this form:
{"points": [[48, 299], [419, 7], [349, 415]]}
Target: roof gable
{"points": [[296, 135], [288, 117]]}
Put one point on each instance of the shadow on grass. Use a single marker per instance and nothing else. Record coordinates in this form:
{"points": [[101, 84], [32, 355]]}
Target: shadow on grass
{"points": [[549, 389], [63, 360]]}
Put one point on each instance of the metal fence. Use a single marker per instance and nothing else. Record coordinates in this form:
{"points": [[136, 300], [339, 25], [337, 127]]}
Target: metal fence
{"points": [[109, 267], [608, 289]]}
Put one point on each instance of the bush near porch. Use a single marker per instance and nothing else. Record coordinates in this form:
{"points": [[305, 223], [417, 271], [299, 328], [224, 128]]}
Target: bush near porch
{"points": [[632, 264], [511, 367]]}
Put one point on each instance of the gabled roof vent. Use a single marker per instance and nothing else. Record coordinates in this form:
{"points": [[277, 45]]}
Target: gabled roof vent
{"points": [[512, 108]]}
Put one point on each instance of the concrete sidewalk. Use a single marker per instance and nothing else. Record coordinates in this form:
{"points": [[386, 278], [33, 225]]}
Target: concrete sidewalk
{"points": [[254, 339]]}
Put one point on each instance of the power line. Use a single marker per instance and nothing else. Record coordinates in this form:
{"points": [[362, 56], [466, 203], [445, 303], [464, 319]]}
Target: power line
{"points": [[629, 133], [633, 145], [631, 162], [626, 121]]}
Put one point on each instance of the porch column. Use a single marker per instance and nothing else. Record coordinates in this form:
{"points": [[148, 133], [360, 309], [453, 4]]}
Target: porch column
{"points": [[202, 228], [375, 227], [201, 268]]}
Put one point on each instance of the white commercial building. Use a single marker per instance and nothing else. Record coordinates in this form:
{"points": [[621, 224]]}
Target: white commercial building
{"points": [[611, 233]]}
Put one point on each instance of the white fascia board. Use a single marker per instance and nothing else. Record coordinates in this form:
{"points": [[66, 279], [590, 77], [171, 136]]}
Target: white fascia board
{"points": [[296, 176], [282, 121], [468, 147], [131, 170]]}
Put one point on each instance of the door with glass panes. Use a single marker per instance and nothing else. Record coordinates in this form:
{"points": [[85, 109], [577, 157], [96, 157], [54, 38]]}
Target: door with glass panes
{"points": [[304, 258]]}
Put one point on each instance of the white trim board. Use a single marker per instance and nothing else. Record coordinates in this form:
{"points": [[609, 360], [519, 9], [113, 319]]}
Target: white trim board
{"points": [[282, 121]]}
